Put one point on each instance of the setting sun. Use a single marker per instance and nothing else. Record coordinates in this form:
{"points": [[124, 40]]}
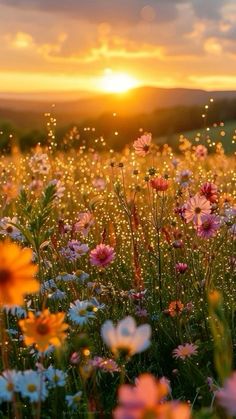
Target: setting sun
{"points": [[117, 82]]}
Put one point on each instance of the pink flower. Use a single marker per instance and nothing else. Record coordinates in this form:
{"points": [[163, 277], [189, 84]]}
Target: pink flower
{"points": [[142, 145], [210, 191], [195, 208], [147, 399], [201, 151], [226, 396], [209, 226], [86, 220], [159, 184], [181, 268], [102, 255], [185, 351]]}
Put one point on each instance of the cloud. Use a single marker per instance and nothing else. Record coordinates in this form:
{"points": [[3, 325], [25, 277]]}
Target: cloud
{"points": [[115, 11]]}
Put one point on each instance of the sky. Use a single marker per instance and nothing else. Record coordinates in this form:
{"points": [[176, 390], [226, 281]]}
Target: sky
{"points": [[108, 45]]}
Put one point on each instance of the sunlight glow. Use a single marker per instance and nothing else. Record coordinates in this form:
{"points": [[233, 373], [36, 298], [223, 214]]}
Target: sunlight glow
{"points": [[117, 82]]}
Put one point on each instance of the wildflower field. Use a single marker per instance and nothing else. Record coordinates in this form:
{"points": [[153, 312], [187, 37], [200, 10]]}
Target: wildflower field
{"points": [[117, 282]]}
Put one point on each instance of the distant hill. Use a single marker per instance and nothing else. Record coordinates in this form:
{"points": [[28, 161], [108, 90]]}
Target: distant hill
{"points": [[27, 111]]}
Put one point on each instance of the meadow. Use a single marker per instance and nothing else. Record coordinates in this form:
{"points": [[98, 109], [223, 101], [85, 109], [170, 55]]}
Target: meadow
{"points": [[117, 281]]}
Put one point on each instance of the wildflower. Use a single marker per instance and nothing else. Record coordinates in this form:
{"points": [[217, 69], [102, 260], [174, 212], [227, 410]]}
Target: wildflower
{"points": [[210, 191], [32, 384], [16, 311], [159, 184], [185, 351], [10, 190], [99, 183], [147, 399], [226, 396], [8, 229], [56, 378], [181, 268], [201, 152], [175, 308], [141, 312], [107, 365], [60, 188], [142, 145], [44, 329], [126, 337], [16, 274], [81, 312], [74, 250], [73, 401], [102, 255], [196, 207], [8, 385], [209, 226], [86, 220], [184, 178]]}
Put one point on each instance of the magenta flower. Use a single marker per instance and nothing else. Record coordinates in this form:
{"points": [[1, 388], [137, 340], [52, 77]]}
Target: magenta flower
{"points": [[102, 255], [210, 191], [226, 396], [209, 226], [181, 268]]}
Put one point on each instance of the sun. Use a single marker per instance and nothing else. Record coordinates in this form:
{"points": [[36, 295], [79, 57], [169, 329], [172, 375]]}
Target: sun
{"points": [[113, 82]]}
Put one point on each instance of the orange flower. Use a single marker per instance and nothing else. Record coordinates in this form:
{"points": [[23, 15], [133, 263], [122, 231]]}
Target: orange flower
{"points": [[44, 330], [175, 308], [16, 274]]}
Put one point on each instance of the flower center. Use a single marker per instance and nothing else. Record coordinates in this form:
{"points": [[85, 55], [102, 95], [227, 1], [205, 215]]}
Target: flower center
{"points": [[102, 256], [198, 210], [206, 225], [146, 147], [42, 328], [82, 312], [10, 387], [5, 276], [31, 388], [9, 229]]}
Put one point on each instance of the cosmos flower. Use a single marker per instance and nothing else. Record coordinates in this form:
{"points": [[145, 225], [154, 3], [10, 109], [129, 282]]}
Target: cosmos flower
{"points": [[126, 337], [107, 365], [86, 220], [185, 351], [16, 274], [31, 384], [181, 268], [226, 396], [196, 207], [209, 226], [147, 399], [44, 329], [81, 312], [201, 152], [210, 191], [159, 184], [102, 255], [142, 145], [74, 250]]}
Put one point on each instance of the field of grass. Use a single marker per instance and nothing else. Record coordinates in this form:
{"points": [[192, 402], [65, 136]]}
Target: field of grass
{"points": [[117, 282]]}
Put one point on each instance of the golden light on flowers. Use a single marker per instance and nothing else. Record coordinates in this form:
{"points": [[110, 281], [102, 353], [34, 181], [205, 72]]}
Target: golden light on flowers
{"points": [[16, 274], [117, 82], [44, 330]]}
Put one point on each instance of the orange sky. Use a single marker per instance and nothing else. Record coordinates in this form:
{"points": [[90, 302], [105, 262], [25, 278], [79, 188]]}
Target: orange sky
{"points": [[58, 45]]}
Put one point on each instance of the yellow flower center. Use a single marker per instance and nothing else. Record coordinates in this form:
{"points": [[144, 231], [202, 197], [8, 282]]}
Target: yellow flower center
{"points": [[31, 388], [82, 312]]}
